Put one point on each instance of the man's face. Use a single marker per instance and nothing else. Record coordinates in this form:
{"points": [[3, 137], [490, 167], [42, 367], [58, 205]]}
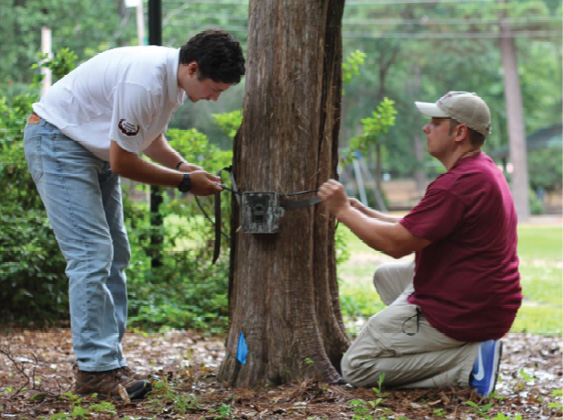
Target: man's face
{"points": [[439, 139], [196, 89]]}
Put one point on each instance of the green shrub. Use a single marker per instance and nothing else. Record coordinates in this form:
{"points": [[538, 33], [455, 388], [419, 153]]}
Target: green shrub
{"points": [[186, 290], [33, 286], [32, 281], [545, 168]]}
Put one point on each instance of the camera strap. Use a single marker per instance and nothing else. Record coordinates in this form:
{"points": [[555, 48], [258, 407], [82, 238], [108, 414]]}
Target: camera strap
{"points": [[285, 203], [295, 204]]}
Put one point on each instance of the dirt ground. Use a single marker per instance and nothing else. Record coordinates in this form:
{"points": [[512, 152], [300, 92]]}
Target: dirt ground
{"points": [[36, 375]]}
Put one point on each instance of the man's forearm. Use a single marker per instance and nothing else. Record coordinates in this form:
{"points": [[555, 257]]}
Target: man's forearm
{"points": [[160, 151], [376, 233], [131, 166], [374, 214]]}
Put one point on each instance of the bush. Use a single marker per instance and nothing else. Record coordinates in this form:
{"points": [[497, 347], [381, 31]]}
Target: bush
{"points": [[32, 281], [186, 291], [545, 169], [33, 286]]}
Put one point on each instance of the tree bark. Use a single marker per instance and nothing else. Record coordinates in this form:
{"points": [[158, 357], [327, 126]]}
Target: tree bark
{"points": [[283, 293]]}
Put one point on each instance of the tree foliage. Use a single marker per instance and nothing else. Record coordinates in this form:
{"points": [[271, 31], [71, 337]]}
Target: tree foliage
{"points": [[83, 26], [31, 265], [186, 291], [404, 51], [449, 46], [413, 51], [372, 129]]}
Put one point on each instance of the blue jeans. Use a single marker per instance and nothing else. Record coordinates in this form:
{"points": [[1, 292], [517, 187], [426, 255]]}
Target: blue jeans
{"points": [[83, 202]]}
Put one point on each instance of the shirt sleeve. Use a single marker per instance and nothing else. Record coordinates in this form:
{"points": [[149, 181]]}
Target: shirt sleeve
{"points": [[132, 115], [437, 215]]}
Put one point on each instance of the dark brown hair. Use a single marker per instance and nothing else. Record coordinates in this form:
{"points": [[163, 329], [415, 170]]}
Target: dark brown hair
{"points": [[218, 55]]}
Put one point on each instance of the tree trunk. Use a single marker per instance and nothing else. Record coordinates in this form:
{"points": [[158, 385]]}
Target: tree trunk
{"points": [[421, 182], [283, 293], [515, 119]]}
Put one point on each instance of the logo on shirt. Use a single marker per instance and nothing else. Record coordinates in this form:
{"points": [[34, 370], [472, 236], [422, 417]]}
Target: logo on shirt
{"points": [[127, 128]]}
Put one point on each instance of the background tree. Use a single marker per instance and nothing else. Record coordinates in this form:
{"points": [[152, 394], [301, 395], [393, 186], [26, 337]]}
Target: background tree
{"points": [[439, 46], [283, 290], [432, 46], [82, 26], [446, 46]]}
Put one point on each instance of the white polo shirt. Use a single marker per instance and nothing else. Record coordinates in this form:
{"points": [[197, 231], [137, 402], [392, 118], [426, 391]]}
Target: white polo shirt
{"points": [[125, 94]]}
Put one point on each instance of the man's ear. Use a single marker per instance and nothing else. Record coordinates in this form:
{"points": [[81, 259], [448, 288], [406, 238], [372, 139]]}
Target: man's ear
{"points": [[193, 68], [461, 132]]}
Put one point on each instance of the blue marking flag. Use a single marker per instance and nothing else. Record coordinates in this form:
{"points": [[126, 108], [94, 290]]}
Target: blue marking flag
{"points": [[242, 349]]}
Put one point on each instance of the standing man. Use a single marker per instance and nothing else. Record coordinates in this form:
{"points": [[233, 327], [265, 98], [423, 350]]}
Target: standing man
{"points": [[448, 309], [86, 131]]}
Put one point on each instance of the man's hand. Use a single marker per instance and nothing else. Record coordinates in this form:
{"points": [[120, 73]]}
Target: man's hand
{"points": [[189, 167], [203, 183], [334, 196], [357, 204]]}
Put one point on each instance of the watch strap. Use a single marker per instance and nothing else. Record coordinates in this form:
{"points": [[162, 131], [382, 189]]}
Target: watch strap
{"points": [[186, 183]]}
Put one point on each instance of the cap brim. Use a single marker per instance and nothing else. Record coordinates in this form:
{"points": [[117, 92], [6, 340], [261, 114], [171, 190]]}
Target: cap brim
{"points": [[431, 110]]}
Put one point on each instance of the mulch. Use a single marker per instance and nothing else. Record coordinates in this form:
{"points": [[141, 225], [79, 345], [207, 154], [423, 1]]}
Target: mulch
{"points": [[36, 382]]}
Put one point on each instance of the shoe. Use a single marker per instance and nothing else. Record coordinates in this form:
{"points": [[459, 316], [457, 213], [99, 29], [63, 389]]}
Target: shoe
{"points": [[485, 370], [107, 384]]}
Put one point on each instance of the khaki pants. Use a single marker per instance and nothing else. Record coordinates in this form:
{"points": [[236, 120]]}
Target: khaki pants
{"points": [[400, 343]]}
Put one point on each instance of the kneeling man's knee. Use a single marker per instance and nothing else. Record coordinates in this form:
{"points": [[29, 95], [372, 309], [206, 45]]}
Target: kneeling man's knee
{"points": [[359, 372]]}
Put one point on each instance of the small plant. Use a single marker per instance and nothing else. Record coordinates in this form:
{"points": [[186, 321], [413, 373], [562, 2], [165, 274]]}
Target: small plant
{"points": [[480, 410], [524, 380], [501, 416], [223, 412], [79, 412], [558, 405], [104, 407], [439, 412], [527, 378], [362, 409], [377, 390], [182, 403], [351, 65]]}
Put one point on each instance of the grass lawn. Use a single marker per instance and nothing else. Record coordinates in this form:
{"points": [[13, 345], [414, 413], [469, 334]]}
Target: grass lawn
{"points": [[540, 248]]}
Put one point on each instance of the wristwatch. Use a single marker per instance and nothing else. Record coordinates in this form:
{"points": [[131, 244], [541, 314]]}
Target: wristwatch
{"points": [[186, 183]]}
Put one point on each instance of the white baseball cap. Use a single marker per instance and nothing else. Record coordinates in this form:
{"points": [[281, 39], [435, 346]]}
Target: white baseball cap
{"points": [[464, 107]]}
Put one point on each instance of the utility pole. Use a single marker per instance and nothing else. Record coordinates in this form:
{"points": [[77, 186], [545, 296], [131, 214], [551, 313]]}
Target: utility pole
{"points": [[155, 38], [155, 22], [138, 5], [515, 117], [46, 49]]}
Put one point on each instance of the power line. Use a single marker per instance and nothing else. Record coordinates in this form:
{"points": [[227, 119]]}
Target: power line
{"points": [[420, 36], [447, 35], [426, 21], [348, 2], [387, 2], [208, 2]]}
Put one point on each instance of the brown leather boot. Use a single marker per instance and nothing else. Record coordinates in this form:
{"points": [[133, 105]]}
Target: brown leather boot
{"points": [[106, 384]]}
